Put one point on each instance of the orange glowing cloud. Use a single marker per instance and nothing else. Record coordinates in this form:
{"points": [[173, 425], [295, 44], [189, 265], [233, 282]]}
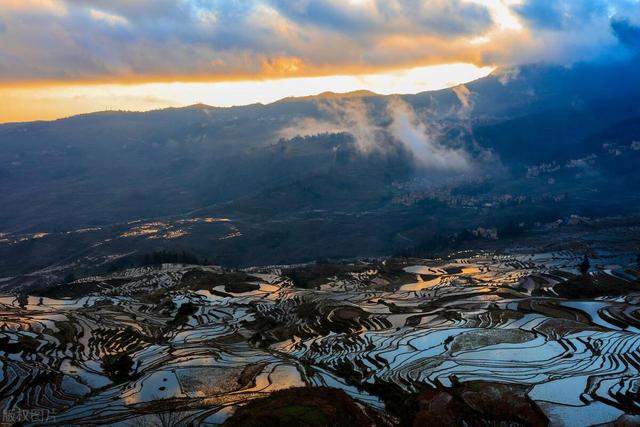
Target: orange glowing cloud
{"points": [[282, 66], [54, 6]]}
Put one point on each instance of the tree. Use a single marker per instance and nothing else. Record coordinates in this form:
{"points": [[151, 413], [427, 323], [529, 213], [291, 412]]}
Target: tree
{"points": [[69, 277], [118, 366], [584, 265]]}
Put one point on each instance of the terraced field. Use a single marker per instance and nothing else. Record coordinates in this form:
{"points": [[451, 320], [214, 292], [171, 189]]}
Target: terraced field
{"points": [[515, 338]]}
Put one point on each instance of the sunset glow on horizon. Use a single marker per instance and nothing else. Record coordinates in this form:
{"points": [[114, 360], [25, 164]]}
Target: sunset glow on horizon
{"points": [[62, 100]]}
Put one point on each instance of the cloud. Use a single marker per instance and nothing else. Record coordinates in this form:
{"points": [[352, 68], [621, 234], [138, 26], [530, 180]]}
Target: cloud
{"points": [[217, 40], [108, 18], [137, 10], [422, 141], [283, 65], [567, 31], [507, 74], [582, 163], [626, 32], [308, 126], [169, 40], [374, 17], [558, 15], [55, 7], [353, 115], [342, 115], [419, 138], [464, 95]]}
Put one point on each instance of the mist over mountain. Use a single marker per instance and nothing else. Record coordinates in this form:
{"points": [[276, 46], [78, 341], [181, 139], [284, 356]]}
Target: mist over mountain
{"points": [[376, 175]]}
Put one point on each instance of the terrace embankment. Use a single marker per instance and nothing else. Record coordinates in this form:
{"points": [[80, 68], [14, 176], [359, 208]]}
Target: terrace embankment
{"points": [[519, 338]]}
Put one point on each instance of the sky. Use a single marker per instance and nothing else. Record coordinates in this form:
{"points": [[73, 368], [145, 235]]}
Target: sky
{"points": [[64, 57]]}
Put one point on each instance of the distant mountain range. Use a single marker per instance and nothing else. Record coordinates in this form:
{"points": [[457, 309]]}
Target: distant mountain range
{"points": [[333, 175]]}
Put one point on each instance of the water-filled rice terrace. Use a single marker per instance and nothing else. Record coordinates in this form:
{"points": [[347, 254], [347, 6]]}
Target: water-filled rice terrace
{"points": [[515, 338]]}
